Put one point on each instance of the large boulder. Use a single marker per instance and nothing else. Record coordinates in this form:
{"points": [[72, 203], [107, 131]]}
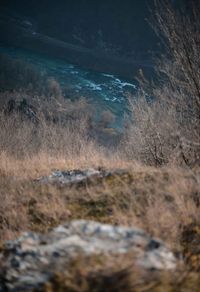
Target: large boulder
{"points": [[32, 259]]}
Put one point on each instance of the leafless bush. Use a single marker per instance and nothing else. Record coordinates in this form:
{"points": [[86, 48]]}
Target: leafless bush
{"points": [[53, 88], [31, 124], [17, 74], [166, 128], [147, 135], [107, 118]]}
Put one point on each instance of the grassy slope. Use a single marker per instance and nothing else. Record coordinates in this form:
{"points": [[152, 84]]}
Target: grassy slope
{"points": [[162, 201]]}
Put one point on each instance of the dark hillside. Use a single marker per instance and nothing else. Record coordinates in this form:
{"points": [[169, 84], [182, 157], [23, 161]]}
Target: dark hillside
{"points": [[120, 27]]}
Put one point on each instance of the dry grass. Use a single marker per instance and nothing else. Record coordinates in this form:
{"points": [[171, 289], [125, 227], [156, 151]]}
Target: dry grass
{"points": [[29, 150], [138, 197], [43, 163], [118, 274], [164, 202]]}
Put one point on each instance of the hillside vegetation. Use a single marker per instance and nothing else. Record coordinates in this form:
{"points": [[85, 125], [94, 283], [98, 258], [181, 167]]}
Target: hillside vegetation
{"points": [[155, 181]]}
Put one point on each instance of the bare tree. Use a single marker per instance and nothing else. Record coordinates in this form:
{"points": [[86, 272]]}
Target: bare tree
{"points": [[168, 128]]}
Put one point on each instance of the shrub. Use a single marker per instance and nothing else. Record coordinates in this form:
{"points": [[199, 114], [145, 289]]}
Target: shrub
{"points": [[17, 74], [106, 119], [167, 128]]}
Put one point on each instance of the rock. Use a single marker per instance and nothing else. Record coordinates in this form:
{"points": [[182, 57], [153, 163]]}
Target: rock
{"points": [[75, 176], [32, 259]]}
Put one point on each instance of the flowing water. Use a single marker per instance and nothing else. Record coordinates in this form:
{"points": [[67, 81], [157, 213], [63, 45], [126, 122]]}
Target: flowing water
{"points": [[104, 91]]}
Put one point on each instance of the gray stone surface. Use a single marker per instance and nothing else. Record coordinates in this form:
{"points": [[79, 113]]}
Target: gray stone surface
{"points": [[72, 176], [31, 259]]}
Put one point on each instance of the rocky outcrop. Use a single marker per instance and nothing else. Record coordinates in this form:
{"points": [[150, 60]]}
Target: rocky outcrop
{"points": [[70, 177], [31, 260]]}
